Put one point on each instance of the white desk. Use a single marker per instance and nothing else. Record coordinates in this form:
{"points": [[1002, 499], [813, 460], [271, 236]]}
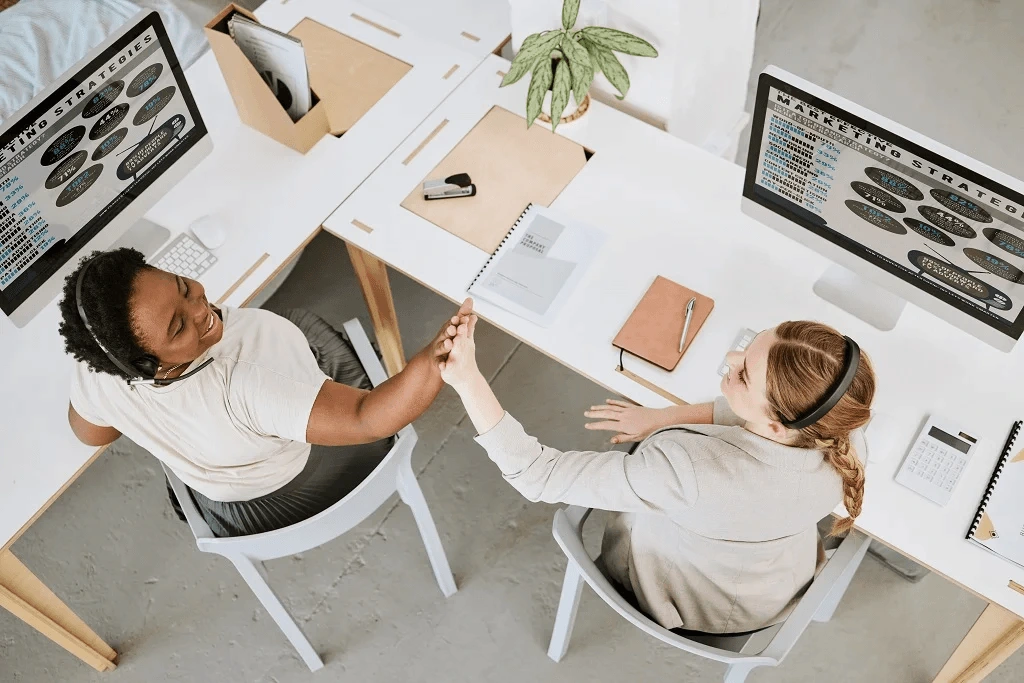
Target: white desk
{"points": [[671, 209], [273, 201], [479, 27]]}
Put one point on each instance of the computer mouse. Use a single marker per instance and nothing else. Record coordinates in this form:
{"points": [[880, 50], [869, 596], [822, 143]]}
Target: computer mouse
{"points": [[210, 231]]}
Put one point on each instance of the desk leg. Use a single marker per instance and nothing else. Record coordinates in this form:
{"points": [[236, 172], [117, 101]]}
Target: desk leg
{"points": [[373, 280], [28, 598], [995, 636]]}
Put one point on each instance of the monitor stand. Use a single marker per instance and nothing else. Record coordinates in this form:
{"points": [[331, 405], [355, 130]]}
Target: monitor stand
{"points": [[146, 236], [874, 305]]}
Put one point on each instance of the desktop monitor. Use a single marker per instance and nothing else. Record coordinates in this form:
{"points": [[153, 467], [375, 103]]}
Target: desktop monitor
{"points": [[903, 218], [82, 162]]}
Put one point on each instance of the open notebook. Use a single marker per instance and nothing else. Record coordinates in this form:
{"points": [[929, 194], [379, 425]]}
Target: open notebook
{"points": [[998, 525], [536, 267]]}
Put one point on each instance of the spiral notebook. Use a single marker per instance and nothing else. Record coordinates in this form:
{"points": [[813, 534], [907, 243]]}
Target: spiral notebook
{"points": [[538, 264], [998, 525]]}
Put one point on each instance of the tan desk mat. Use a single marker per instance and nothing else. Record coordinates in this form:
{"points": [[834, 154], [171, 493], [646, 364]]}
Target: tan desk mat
{"points": [[511, 167], [348, 76]]}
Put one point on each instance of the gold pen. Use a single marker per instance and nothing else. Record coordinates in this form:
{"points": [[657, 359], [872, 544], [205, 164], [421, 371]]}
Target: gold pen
{"points": [[686, 325]]}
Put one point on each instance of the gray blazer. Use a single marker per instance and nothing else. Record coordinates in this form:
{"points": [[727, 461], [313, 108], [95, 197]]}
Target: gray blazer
{"points": [[717, 526]]}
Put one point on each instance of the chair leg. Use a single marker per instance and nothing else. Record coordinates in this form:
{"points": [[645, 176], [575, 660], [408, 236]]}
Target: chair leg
{"points": [[568, 605], [737, 673], [256, 576], [412, 495], [831, 603]]}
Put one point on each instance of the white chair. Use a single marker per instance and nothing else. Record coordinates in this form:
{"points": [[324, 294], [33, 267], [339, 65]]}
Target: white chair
{"points": [[742, 654], [393, 474]]}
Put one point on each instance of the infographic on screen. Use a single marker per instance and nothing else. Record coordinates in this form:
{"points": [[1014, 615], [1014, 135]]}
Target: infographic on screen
{"points": [[72, 167], [944, 232]]}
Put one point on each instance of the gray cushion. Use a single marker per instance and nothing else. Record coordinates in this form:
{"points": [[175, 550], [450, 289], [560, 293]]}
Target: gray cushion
{"points": [[41, 39]]}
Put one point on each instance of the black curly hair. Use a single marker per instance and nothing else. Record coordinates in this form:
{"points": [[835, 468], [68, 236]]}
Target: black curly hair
{"points": [[106, 291]]}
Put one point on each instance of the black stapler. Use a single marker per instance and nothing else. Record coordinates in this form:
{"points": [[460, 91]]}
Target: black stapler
{"points": [[458, 185]]}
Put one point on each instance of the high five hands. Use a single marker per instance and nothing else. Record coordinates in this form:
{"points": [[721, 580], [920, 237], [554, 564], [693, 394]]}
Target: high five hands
{"points": [[459, 368], [456, 359], [444, 340]]}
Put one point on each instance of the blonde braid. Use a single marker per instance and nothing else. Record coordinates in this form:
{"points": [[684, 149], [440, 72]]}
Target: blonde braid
{"points": [[802, 363], [845, 461]]}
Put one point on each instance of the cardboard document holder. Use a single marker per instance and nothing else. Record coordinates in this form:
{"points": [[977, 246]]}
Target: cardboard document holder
{"points": [[256, 104], [346, 78]]}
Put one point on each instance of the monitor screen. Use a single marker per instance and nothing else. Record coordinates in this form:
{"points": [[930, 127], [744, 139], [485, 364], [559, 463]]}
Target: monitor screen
{"points": [[72, 162], [906, 209]]}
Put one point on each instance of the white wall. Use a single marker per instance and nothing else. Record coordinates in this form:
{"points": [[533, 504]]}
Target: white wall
{"points": [[696, 87]]}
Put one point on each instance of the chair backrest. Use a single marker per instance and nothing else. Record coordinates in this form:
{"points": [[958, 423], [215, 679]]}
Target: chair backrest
{"points": [[769, 646], [568, 532], [360, 503]]}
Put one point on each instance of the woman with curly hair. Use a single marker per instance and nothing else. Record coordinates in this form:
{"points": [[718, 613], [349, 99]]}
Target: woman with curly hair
{"points": [[238, 430]]}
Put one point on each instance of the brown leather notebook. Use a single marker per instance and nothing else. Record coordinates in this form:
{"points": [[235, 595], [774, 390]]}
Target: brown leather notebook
{"points": [[653, 330]]}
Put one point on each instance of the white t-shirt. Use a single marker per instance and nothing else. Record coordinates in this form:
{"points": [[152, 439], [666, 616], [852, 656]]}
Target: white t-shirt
{"points": [[234, 431]]}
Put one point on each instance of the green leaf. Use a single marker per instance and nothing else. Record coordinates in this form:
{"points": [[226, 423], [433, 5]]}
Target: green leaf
{"points": [[592, 51], [560, 92], [613, 70], [531, 39], [619, 41], [579, 64], [532, 48], [539, 85], [570, 8], [519, 68]]}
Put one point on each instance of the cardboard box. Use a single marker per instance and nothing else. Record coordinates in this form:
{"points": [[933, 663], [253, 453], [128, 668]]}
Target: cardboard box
{"points": [[350, 76], [257, 106], [346, 77]]}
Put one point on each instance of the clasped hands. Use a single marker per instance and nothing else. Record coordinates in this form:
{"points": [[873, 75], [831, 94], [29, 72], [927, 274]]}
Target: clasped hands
{"points": [[456, 360]]}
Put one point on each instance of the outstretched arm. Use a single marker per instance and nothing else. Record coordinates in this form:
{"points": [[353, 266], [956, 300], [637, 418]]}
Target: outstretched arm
{"points": [[658, 477], [343, 415]]}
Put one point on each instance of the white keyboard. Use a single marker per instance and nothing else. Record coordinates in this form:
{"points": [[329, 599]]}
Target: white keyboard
{"points": [[184, 256], [740, 343], [937, 460]]}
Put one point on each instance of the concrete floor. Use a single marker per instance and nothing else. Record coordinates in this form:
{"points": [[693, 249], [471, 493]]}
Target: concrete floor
{"points": [[112, 549]]}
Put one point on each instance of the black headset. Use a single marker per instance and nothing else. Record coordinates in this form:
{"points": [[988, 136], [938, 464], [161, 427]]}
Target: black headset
{"points": [[143, 370], [851, 361]]}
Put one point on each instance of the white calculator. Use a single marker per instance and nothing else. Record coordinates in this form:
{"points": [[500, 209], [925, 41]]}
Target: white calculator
{"points": [[937, 459]]}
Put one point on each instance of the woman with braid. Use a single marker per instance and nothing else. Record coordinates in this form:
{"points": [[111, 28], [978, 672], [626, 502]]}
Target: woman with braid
{"points": [[718, 505]]}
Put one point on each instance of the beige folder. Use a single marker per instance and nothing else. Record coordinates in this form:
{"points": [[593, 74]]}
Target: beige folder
{"points": [[511, 167]]}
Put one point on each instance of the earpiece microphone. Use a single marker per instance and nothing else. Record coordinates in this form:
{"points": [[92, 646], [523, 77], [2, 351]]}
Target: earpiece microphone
{"points": [[164, 382], [145, 368]]}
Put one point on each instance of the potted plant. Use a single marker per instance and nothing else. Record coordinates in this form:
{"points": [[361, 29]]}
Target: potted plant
{"points": [[564, 62]]}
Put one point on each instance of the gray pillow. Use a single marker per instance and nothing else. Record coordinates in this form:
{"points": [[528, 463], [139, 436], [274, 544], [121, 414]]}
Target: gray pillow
{"points": [[41, 39]]}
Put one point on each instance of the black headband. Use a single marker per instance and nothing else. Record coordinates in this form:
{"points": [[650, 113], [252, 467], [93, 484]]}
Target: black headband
{"points": [[851, 362]]}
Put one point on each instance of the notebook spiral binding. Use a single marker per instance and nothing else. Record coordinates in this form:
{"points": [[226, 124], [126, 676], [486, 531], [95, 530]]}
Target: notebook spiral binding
{"points": [[501, 245], [1004, 456]]}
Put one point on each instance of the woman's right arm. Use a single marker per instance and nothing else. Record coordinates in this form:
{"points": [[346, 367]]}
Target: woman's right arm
{"points": [[658, 477], [636, 423]]}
